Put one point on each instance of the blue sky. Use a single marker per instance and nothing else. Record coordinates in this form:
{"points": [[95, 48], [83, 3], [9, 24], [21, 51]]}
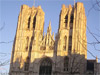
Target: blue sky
{"points": [[9, 11]]}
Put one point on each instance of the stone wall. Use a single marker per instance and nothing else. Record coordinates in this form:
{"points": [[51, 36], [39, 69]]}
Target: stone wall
{"points": [[31, 46]]}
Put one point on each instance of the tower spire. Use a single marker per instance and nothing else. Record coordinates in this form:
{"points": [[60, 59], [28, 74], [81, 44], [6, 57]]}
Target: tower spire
{"points": [[49, 27]]}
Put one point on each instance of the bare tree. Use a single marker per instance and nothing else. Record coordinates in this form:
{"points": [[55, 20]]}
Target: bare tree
{"points": [[3, 56]]}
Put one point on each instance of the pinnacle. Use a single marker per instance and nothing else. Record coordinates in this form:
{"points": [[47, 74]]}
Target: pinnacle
{"points": [[49, 27], [39, 7], [49, 24]]}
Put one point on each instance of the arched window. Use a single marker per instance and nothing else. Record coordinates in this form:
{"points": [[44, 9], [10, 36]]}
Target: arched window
{"points": [[65, 41], [29, 22], [66, 21], [27, 41], [45, 67], [26, 67], [34, 22], [70, 44], [71, 18], [66, 61], [65, 38]]}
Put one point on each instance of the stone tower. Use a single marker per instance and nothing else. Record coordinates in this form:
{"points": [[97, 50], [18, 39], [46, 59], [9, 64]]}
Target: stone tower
{"points": [[37, 53], [29, 31], [71, 38], [72, 29]]}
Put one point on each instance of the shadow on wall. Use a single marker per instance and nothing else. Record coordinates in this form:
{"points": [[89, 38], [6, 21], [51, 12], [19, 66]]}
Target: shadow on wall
{"points": [[59, 65]]}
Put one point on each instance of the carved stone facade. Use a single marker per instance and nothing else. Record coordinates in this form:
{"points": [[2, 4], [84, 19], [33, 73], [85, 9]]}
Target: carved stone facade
{"points": [[35, 53]]}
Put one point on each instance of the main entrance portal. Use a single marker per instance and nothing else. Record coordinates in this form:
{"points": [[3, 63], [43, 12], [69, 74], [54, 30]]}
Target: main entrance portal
{"points": [[45, 67]]}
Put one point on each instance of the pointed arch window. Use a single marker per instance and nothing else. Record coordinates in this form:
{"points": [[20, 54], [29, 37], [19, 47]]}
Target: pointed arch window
{"points": [[29, 22], [71, 18], [26, 67], [65, 42], [45, 67], [34, 22], [27, 41], [66, 21], [71, 21], [66, 61]]}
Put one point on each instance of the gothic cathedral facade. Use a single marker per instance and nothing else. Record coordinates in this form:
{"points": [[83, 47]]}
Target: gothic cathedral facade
{"points": [[37, 53]]}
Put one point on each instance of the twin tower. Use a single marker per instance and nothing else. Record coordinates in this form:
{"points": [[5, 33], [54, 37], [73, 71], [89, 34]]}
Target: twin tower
{"points": [[37, 53]]}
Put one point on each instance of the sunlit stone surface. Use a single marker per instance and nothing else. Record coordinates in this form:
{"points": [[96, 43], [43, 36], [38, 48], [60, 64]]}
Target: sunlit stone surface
{"points": [[37, 53]]}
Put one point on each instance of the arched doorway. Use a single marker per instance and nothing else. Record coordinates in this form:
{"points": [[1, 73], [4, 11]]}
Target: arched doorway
{"points": [[45, 67]]}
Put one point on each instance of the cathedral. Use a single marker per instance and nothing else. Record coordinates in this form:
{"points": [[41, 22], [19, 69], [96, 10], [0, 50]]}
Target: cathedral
{"points": [[37, 53]]}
